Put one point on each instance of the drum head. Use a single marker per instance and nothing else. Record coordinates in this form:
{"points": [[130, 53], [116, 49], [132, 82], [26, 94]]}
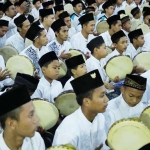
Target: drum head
{"points": [[74, 52], [128, 134], [145, 28], [145, 117], [63, 147], [119, 66], [66, 103], [69, 8], [142, 60], [63, 69], [47, 113], [102, 27], [7, 52], [19, 64]]}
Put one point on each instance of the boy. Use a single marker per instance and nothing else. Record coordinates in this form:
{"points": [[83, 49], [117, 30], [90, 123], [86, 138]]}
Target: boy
{"points": [[128, 104], [114, 23], [80, 39], [48, 5], [84, 128], [1, 10], [37, 49], [60, 45], [47, 18], [76, 66], [18, 40], [146, 17], [48, 87], [91, 3], [77, 7], [66, 17], [35, 10], [136, 13], [58, 10], [19, 122]]}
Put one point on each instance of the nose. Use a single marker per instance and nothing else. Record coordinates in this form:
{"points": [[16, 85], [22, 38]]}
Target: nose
{"points": [[106, 99], [36, 119]]}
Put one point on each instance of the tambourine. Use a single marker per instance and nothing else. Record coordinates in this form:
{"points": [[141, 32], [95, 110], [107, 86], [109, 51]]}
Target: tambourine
{"points": [[46, 112], [142, 60], [66, 102], [102, 27], [128, 134], [62, 147], [145, 116], [19, 64], [75, 52], [119, 66], [63, 69], [7, 52]]}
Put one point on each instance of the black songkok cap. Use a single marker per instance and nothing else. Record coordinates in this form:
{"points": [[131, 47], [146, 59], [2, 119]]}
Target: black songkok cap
{"points": [[146, 147], [107, 4], [34, 1], [33, 31], [121, 12], [135, 81], [145, 9], [146, 13], [4, 23], [90, 2], [29, 81], [75, 2], [6, 5], [58, 8], [95, 43], [112, 19], [87, 82], [50, 56], [117, 36], [46, 4], [135, 34], [45, 12], [86, 18], [135, 10], [13, 99], [21, 1], [19, 20], [1, 6], [58, 2], [74, 61], [57, 24], [64, 14]]}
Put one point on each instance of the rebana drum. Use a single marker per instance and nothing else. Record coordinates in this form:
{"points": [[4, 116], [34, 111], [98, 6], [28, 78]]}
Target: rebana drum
{"points": [[63, 147]]}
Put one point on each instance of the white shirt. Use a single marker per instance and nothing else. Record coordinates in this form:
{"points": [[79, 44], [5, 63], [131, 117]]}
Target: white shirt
{"points": [[17, 42], [126, 4], [126, 33], [68, 85], [34, 143], [34, 54], [50, 33], [71, 32], [118, 109], [48, 90], [79, 42], [80, 132], [8, 81], [12, 29], [107, 38], [3, 40], [146, 46], [58, 48], [35, 13]]}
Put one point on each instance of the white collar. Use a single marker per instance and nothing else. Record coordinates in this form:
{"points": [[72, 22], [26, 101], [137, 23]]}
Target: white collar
{"points": [[46, 82]]}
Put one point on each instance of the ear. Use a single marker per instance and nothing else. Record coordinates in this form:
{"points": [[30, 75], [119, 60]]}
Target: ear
{"points": [[95, 50], [134, 40], [115, 45], [56, 33], [19, 29], [11, 123], [122, 89], [43, 69], [86, 102], [73, 71]]}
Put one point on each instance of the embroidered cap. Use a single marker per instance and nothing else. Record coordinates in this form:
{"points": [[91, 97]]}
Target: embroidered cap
{"points": [[94, 43], [57, 24], [135, 11], [47, 58], [13, 99], [4, 23], [112, 19], [124, 18], [74, 61], [87, 82], [135, 81], [45, 12], [117, 36], [29, 81], [6, 5], [19, 20], [86, 18]]}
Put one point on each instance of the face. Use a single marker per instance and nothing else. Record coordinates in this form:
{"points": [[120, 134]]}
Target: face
{"points": [[11, 11], [49, 20], [63, 33], [89, 28], [131, 96], [25, 27], [147, 20], [139, 15], [3, 31], [140, 41], [110, 10], [52, 71], [127, 26], [137, 2], [28, 121], [78, 8], [99, 100], [122, 44], [67, 21], [80, 71], [101, 51], [119, 2], [23, 6], [129, 1], [1, 14], [38, 4], [42, 39], [117, 27]]}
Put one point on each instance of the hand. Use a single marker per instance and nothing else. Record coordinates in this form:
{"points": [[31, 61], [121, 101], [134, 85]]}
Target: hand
{"points": [[108, 86], [37, 75], [96, 33], [116, 79], [138, 70], [4, 74], [99, 148], [64, 55]]}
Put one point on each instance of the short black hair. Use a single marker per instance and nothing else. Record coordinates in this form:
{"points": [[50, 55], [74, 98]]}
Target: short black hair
{"points": [[39, 33], [80, 97], [46, 64], [85, 24], [136, 37], [14, 114], [70, 72], [114, 23]]}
